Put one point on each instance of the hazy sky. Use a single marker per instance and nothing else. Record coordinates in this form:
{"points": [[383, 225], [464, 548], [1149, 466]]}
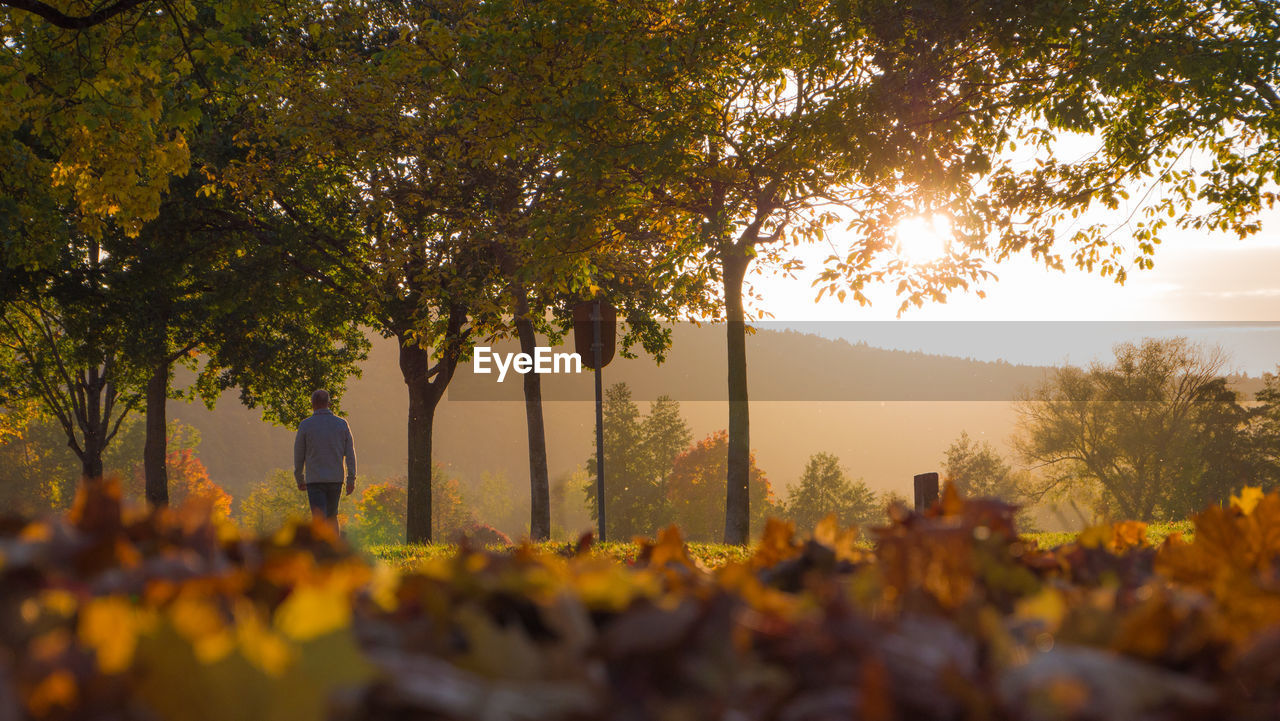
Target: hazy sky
{"points": [[1197, 277]]}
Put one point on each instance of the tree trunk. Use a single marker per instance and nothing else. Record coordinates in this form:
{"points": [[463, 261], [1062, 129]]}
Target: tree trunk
{"points": [[737, 510], [414, 365], [155, 450], [539, 488], [426, 386], [91, 459], [92, 426]]}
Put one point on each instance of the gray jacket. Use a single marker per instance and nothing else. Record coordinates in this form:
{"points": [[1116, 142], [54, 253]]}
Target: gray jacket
{"points": [[323, 441]]}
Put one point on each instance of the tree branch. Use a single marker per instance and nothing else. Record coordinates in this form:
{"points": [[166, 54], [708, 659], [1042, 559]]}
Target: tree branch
{"points": [[73, 22]]}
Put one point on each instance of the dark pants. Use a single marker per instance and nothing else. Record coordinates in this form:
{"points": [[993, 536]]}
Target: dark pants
{"points": [[324, 498]]}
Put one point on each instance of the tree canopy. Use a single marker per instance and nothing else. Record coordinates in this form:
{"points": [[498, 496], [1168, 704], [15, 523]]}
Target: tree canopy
{"points": [[1152, 435], [455, 170]]}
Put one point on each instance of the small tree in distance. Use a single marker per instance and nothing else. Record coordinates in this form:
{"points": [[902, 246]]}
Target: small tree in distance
{"points": [[189, 482], [695, 490], [273, 502], [379, 512], [977, 470], [825, 488], [379, 515], [640, 453]]}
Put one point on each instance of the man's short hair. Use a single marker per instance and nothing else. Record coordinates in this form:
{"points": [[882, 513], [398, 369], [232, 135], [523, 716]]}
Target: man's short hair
{"points": [[320, 398]]}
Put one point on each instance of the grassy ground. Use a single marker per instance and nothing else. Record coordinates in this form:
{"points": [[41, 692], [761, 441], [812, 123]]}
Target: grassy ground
{"points": [[710, 554], [1156, 533], [406, 555]]}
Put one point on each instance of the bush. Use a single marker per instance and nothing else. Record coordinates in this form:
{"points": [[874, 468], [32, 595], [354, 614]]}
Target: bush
{"points": [[272, 503]]}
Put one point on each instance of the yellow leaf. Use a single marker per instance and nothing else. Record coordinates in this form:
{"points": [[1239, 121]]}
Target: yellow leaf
{"points": [[1095, 536], [1047, 606], [311, 611], [777, 543], [57, 690], [603, 584], [1248, 499], [110, 626], [670, 548], [262, 647], [843, 541], [58, 601], [1128, 534], [383, 587], [35, 532], [202, 623], [826, 529]]}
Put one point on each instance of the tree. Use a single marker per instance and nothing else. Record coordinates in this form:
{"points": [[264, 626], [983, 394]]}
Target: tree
{"points": [[272, 503], [889, 499], [380, 176], [59, 349], [37, 469], [379, 515], [470, 208], [97, 335], [666, 435], [452, 517], [562, 224], [694, 489], [380, 511], [169, 273], [775, 120], [639, 456], [189, 480], [572, 515], [1225, 455], [824, 489], [976, 469], [200, 279], [1144, 437], [492, 498], [630, 497], [39, 472], [1263, 433]]}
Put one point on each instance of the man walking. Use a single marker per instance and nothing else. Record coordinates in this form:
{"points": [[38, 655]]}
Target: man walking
{"points": [[323, 442]]}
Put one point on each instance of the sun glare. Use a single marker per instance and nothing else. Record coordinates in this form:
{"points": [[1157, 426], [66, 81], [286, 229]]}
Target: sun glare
{"points": [[922, 239]]}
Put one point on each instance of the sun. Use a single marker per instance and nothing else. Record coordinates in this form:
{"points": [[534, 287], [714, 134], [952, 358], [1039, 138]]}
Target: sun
{"points": [[921, 240]]}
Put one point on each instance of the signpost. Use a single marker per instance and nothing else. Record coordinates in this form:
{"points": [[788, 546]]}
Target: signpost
{"points": [[595, 324]]}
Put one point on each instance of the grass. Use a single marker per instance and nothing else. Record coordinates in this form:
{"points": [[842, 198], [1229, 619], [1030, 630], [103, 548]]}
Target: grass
{"points": [[1156, 533], [712, 555], [407, 555]]}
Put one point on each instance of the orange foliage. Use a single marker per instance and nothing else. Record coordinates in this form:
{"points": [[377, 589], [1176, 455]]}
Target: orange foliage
{"points": [[1234, 558], [952, 616], [189, 481], [696, 489]]}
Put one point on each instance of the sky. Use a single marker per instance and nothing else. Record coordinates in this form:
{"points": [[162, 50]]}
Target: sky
{"points": [[1035, 315]]}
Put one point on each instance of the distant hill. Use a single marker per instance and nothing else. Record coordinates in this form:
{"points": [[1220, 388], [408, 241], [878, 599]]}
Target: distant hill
{"points": [[782, 366]]}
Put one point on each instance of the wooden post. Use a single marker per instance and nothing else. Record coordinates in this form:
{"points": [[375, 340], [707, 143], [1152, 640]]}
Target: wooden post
{"points": [[926, 490]]}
